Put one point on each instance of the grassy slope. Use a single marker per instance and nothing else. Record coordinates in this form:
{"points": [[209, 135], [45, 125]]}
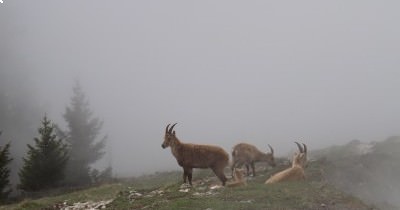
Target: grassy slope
{"points": [[161, 191]]}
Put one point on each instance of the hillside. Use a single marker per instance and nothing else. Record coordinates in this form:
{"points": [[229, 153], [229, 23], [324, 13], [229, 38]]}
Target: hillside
{"points": [[164, 191], [368, 170]]}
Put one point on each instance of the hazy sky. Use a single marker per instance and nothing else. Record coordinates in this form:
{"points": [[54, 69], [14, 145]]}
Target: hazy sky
{"points": [[321, 72]]}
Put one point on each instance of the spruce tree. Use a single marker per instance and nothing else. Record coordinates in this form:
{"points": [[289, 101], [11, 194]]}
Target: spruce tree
{"points": [[44, 166], [82, 135], [4, 172]]}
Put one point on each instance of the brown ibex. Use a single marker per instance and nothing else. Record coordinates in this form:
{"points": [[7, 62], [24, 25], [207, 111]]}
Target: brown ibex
{"points": [[191, 156], [294, 173], [248, 154]]}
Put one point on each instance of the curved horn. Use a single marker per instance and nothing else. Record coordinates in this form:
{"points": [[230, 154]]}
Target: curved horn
{"points": [[299, 146], [305, 148], [272, 150], [172, 127], [166, 129]]}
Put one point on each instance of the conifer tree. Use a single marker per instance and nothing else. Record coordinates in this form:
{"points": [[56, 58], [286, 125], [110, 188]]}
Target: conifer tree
{"points": [[82, 136], [4, 172], [44, 165]]}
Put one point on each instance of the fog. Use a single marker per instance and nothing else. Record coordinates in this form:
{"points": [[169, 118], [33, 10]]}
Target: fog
{"points": [[228, 71]]}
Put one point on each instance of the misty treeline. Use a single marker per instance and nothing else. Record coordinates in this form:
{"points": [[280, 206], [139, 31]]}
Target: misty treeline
{"points": [[54, 157]]}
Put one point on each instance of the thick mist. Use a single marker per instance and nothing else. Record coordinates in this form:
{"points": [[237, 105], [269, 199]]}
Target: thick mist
{"points": [[263, 72]]}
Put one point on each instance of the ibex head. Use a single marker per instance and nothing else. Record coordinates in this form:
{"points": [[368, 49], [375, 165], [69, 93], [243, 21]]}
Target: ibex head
{"points": [[301, 157], [169, 137], [270, 157], [238, 174]]}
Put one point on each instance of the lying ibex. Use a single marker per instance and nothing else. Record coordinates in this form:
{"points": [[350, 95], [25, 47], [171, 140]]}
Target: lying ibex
{"points": [[294, 173], [248, 154], [238, 178], [191, 156]]}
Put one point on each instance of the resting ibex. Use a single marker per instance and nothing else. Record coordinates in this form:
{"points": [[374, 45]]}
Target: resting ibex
{"points": [[238, 178], [248, 154], [191, 156], [294, 173]]}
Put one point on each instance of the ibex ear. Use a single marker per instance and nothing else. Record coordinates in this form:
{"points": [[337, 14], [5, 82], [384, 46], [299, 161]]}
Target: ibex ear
{"points": [[173, 133]]}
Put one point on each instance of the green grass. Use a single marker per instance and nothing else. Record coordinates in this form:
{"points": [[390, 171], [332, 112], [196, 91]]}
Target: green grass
{"points": [[294, 195], [104, 192], [161, 191]]}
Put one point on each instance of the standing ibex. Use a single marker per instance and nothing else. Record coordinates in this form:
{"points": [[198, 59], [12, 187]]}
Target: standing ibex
{"points": [[294, 173], [248, 154], [191, 156]]}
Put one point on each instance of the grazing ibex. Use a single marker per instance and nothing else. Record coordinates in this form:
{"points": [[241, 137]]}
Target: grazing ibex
{"points": [[294, 173], [248, 154], [191, 156], [238, 178]]}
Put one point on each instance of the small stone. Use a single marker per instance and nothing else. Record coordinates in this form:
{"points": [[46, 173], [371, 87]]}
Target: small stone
{"points": [[184, 190]]}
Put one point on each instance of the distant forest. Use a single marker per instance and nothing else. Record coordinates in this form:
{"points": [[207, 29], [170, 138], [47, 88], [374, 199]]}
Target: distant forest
{"points": [[35, 153]]}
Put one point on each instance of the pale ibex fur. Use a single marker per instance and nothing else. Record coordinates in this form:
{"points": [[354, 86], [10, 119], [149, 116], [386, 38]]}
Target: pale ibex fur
{"points": [[238, 178], [294, 173], [248, 154], [191, 156]]}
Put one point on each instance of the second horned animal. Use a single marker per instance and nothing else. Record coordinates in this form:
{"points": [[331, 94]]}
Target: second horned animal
{"points": [[248, 155]]}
